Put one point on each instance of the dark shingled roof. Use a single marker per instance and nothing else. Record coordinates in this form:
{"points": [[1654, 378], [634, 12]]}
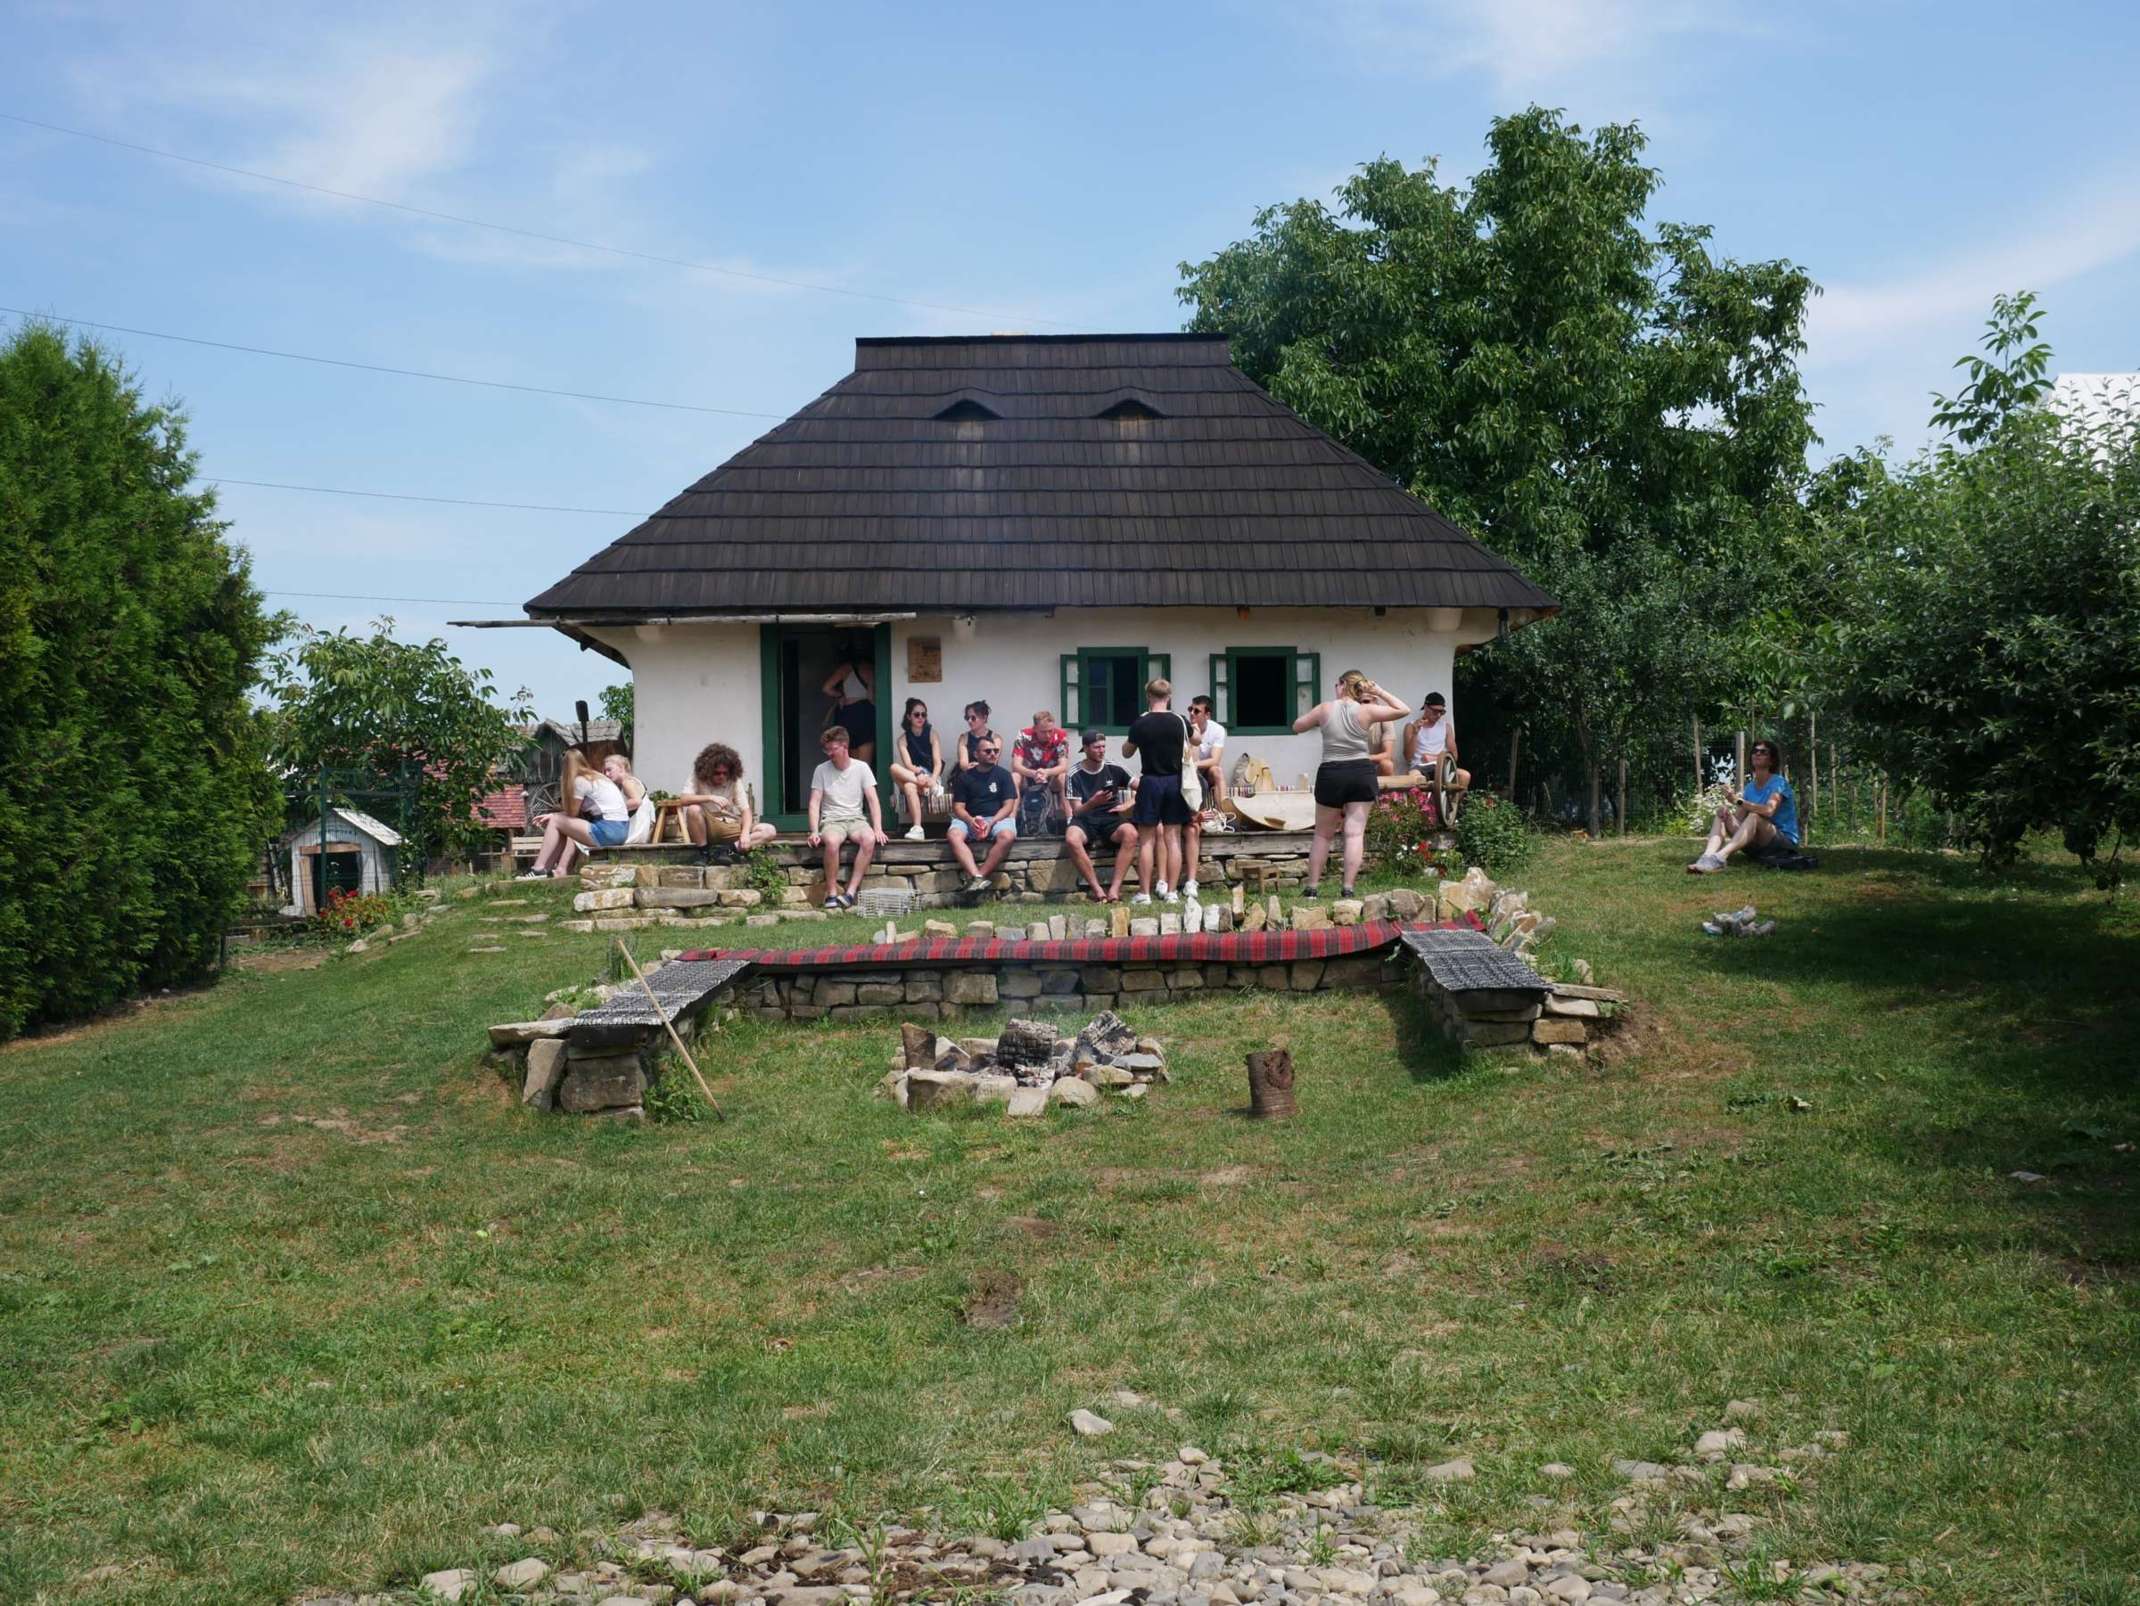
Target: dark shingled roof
{"points": [[867, 500]]}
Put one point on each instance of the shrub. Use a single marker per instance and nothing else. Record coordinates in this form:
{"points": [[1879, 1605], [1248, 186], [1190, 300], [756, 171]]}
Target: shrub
{"points": [[134, 797], [1398, 828], [351, 914], [764, 872], [1493, 834]]}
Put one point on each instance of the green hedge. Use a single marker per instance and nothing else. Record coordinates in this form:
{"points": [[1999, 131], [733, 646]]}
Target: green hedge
{"points": [[134, 799]]}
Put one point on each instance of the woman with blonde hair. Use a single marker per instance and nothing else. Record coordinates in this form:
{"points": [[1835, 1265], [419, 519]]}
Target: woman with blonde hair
{"points": [[1345, 784], [719, 812], [591, 814]]}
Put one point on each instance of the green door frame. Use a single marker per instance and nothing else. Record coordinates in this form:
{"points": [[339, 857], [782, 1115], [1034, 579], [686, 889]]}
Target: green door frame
{"points": [[771, 639]]}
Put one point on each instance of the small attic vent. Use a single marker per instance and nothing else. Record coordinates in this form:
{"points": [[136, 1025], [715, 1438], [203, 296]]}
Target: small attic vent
{"points": [[966, 412], [1130, 407]]}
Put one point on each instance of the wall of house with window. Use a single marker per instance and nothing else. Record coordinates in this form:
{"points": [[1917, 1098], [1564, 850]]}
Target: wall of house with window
{"points": [[1089, 667]]}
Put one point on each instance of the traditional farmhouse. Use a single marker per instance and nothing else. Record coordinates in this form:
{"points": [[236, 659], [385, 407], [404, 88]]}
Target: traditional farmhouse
{"points": [[1038, 522]]}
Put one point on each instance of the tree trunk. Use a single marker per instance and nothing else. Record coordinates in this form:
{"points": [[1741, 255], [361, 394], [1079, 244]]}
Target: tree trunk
{"points": [[1620, 804], [1270, 1084], [1515, 741], [1739, 751], [1812, 773], [1698, 758], [1597, 798]]}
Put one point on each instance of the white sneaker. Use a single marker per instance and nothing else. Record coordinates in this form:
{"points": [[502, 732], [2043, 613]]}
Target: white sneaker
{"points": [[1169, 897], [1188, 887], [1164, 891], [914, 833], [1141, 897]]}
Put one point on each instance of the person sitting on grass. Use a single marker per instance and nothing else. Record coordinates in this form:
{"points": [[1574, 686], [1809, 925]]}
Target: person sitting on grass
{"points": [[983, 799], [917, 763], [1101, 796], [718, 814], [592, 815], [1040, 760], [1764, 814], [844, 808]]}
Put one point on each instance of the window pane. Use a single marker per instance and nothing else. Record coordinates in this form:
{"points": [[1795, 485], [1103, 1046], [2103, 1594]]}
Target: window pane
{"points": [[1262, 691]]}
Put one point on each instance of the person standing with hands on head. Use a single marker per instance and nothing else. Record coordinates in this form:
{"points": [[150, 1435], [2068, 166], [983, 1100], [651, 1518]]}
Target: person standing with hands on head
{"points": [[983, 799], [1101, 796], [1159, 741], [1345, 784], [844, 808], [852, 686], [1764, 812]]}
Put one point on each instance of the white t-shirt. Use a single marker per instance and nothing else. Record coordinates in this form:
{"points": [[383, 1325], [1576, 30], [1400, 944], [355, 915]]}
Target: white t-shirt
{"points": [[605, 794], [843, 789], [1432, 740], [1214, 736]]}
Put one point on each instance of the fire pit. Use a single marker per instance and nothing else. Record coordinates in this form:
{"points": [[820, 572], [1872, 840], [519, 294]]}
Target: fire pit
{"points": [[1027, 1067]]}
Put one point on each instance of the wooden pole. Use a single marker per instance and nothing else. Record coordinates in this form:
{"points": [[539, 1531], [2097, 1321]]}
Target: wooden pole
{"points": [[1698, 758], [1813, 773], [670, 1027], [1515, 741], [1739, 751], [1621, 805], [1883, 811]]}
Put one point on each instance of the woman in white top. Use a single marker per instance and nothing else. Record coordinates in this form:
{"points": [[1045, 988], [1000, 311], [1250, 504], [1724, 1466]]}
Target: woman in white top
{"points": [[1345, 784], [593, 816]]}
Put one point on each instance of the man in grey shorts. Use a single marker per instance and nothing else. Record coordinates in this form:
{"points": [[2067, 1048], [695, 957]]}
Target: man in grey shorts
{"points": [[844, 808]]}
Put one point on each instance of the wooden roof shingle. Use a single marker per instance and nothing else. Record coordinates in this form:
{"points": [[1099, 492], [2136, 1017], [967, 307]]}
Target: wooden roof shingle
{"points": [[867, 501]]}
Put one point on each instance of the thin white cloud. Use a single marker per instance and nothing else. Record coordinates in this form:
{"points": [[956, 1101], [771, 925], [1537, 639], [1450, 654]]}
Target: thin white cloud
{"points": [[1526, 46], [2088, 229]]}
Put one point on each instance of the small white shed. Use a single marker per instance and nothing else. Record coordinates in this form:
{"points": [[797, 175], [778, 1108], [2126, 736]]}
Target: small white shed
{"points": [[358, 856]]}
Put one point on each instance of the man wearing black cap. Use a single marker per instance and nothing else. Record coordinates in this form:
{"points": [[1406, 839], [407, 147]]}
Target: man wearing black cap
{"points": [[1101, 797]]}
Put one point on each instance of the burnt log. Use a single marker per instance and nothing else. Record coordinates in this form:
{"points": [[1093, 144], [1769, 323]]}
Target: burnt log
{"points": [[1270, 1084], [1025, 1042], [918, 1045]]}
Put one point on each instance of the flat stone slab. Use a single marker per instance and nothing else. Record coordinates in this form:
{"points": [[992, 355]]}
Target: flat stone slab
{"points": [[680, 987], [1460, 961]]}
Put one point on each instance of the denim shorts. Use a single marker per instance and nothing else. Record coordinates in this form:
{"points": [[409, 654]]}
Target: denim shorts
{"points": [[610, 833], [1003, 830]]}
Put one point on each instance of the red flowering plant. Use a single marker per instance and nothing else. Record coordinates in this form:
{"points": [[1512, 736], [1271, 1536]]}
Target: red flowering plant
{"points": [[349, 914], [1400, 829]]}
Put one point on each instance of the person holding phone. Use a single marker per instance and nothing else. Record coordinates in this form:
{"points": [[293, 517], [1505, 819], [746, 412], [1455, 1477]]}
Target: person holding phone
{"points": [[1101, 796], [1764, 813]]}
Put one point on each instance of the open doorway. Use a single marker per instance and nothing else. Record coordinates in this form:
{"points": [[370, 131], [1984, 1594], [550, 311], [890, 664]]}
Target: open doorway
{"points": [[797, 661]]}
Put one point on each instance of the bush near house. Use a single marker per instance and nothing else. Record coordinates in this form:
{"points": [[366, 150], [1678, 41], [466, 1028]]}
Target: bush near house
{"points": [[133, 796]]}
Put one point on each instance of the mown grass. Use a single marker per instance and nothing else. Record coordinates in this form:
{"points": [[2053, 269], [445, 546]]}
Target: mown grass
{"points": [[293, 1295]]}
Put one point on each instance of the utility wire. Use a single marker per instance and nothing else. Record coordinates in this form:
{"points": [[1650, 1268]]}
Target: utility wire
{"points": [[403, 496], [517, 232], [358, 596], [379, 368]]}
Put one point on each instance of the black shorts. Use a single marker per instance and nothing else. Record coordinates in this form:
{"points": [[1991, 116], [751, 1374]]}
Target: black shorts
{"points": [[859, 720], [1159, 801], [1350, 780]]}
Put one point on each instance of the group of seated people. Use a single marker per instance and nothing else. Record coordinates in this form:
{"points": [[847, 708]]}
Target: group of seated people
{"points": [[1092, 801]]}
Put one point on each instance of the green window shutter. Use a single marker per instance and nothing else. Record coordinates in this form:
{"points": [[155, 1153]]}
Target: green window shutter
{"points": [[1307, 681], [1073, 715], [1221, 688]]}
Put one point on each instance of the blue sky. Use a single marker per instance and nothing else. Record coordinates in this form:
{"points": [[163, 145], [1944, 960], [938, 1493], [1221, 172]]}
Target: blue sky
{"points": [[1026, 163]]}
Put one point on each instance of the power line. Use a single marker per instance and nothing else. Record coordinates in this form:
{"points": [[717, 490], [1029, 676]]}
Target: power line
{"points": [[358, 596], [404, 496], [379, 368], [517, 232]]}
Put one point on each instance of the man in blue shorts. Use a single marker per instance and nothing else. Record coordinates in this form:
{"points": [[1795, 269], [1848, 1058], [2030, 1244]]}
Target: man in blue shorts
{"points": [[983, 799]]}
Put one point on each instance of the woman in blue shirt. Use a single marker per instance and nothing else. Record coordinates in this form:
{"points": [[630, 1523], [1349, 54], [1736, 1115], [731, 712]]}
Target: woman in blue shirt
{"points": [[1764, 812]]}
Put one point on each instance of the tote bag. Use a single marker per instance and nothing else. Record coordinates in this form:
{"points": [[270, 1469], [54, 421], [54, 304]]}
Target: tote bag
{"points": [[1192, 782]]}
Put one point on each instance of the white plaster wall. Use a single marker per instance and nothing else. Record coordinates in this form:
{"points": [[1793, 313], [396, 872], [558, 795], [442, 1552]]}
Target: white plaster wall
{"points": [[691, 684], [698, 683]]}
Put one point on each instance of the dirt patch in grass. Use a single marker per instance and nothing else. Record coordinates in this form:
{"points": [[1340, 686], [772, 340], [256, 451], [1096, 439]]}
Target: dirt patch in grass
{"points": [[993, 1301], [338, 1123], [277, 961]]}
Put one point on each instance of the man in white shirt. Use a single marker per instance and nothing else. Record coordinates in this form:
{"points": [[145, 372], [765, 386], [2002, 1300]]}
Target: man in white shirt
{"points": [[844, 808]]}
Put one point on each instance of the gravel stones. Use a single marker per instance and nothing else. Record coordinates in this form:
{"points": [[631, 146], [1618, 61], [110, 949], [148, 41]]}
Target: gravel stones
{"points": [[1087, 1424]]}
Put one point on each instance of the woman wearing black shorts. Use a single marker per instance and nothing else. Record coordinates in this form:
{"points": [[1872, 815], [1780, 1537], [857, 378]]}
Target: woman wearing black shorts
{"points": [[1345, 783]]}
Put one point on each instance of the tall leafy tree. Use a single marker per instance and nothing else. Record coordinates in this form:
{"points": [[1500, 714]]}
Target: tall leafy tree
{"points": [[1985, 635], [383, 715], [134, 799], [1603, 400]]}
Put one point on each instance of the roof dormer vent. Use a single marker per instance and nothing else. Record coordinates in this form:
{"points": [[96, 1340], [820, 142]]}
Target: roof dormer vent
{"points": [[1131, 407], [966, 411]]}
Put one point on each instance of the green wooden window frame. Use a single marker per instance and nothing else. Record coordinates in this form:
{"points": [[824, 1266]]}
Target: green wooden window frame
{"points": [[1077, 676], [1304, 680]]}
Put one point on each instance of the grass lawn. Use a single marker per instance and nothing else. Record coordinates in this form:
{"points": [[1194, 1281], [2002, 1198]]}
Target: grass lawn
{"points": [[292, 1293]]}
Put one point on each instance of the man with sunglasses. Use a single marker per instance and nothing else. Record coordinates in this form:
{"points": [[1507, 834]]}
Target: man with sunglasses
{"points": [[983, 799], [1763, 814]]}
